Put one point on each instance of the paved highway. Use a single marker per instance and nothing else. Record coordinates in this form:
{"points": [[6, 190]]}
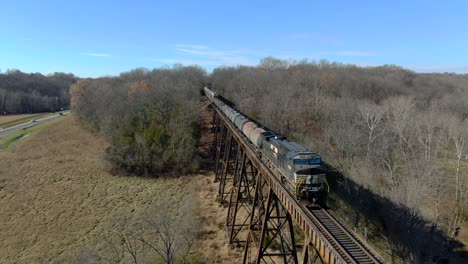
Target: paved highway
{"points": [[9, 130]]}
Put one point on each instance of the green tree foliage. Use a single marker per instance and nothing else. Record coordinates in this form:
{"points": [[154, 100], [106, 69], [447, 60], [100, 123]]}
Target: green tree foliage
{"points": [[149, 117]]}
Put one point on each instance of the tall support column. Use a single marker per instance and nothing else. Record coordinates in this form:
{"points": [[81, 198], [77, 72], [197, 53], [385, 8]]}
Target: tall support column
{"points": [[256, 215], [230, 162], [310, 254], [221, 148], [241, 199], [215, 129], [274, 242]]}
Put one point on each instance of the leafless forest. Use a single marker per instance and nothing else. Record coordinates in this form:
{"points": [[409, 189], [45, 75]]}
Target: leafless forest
{"points": [[32, 93], [395, 140]]}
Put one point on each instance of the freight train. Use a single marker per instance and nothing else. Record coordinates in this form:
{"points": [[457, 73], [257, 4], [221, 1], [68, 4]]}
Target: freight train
{"points": [[301, 170]]}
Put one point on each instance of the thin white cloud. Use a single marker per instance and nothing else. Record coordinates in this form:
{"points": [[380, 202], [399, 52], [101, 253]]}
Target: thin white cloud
{"points": [[199, 47], [206, 56], [353, 53], [97, 54], [186, 61], [312, 38], [456, 68], [220, 57], [209, 53]]}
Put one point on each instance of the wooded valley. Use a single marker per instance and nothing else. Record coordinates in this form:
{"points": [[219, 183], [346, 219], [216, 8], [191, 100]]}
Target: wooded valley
{"points": [[392, 136], [394, 139]]}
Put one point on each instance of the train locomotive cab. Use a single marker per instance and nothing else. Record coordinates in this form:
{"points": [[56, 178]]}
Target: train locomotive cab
{"points": [[311, 186], [302, 168], [309, 177]]}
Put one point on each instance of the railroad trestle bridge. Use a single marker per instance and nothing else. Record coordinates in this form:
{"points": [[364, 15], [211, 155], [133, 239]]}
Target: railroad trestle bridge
{"points": [[261, 209]]}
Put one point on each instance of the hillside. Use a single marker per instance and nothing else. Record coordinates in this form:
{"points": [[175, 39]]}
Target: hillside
{"points": [[60, 203]]}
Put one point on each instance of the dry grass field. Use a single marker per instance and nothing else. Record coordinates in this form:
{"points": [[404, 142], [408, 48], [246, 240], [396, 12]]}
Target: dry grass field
{"points": [[10, 118], [58, 199]]}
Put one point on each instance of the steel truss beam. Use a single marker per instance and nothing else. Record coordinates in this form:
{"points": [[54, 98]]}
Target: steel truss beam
{"points": [[259, 208], [307, 257], [220, 136], [241, 197], [253, 208], [271, 235]]}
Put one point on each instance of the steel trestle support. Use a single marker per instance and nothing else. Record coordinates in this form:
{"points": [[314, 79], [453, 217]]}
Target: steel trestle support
{"points": [[260, 209], [256, 216]]}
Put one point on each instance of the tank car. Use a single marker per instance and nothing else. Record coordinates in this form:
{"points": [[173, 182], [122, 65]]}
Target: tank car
{"points": [[301, 169]]}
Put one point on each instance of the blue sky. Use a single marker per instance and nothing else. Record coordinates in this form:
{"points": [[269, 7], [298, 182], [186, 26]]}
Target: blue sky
{"points": [[96, 38]]}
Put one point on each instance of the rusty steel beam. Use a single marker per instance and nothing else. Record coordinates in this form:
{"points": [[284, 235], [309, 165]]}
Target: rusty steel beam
{"points": [[270, 238], [241, 198], [221, 134], [257, 248], [229, 164], [307, 257]]}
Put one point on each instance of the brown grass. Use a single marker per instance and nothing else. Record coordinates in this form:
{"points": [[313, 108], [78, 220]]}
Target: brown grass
{"points": [[213, 244], [57, 198], [11, 120]]}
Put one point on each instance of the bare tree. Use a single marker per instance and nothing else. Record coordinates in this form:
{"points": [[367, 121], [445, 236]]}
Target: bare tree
{"points": [[271, 63], [400, 114], [372, 115], [122, 242], [170, 235], [461, 181]]}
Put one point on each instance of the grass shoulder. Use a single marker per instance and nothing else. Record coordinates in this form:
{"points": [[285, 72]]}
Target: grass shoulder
{"points": [[23, 134], [13, 120]]}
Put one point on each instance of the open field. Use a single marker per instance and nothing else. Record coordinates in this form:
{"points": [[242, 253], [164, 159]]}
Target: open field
{"points": [[58, 199], [12, 120], [11, 139]]}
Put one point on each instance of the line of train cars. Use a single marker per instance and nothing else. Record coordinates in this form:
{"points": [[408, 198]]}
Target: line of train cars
{"points": [[301, 168]]}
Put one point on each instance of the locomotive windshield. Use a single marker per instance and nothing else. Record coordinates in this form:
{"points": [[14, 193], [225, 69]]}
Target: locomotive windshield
{"points": [[306, 161]]}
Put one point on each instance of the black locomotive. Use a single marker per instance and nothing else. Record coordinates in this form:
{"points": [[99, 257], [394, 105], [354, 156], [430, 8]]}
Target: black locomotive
{"points": [[301, 170]]}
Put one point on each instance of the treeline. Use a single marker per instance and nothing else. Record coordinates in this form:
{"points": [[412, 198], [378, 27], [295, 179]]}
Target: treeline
{"points": [[400, 134], [148, 117], [32, 93], [390, 132]]}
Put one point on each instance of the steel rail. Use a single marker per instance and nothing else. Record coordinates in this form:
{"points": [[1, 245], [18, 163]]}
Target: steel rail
{"points": [[327, 244], [355, 247]]}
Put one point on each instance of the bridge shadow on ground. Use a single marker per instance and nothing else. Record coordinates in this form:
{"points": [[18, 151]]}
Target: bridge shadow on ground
{"points": [[205, 142], [409, 238]]}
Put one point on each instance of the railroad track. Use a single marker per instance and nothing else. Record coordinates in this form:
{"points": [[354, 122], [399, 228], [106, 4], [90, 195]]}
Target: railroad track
{"points": [[345, 241], [347, 245]]}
